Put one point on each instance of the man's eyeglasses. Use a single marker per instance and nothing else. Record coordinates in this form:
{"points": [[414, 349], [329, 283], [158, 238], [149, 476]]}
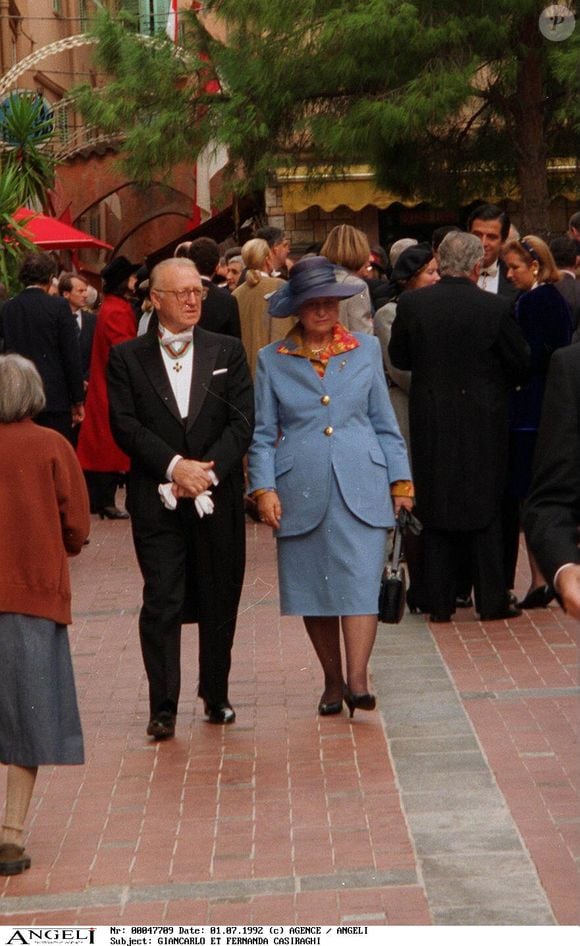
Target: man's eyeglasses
{"points": [[182, 295]]}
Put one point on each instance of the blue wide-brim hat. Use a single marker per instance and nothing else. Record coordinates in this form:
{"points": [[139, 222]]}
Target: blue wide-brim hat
{"points": [[311, 278]]}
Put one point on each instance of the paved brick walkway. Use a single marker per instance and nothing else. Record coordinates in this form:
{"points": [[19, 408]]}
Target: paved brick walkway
{"points": [[456, 804]]}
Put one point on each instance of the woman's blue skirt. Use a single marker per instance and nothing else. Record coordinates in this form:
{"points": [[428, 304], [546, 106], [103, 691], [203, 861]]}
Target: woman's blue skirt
{"points": [[336, 568]]}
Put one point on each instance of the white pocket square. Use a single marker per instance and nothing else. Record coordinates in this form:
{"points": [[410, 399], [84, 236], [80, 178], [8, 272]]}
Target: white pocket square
{"points": [[220, 371]]}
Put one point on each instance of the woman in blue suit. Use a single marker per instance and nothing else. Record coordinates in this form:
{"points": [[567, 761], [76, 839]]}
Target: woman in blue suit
{"points": [[326, 459]]}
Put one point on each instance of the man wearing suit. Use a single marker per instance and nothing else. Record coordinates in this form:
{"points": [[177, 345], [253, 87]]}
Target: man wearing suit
{"points": [[491, 225], [552, 510], [74, 289], [464, 351], [39, 327], [219, 310], [181, 405]]}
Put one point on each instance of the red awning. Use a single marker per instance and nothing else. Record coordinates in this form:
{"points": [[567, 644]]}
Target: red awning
{"points": [[52, 234]]}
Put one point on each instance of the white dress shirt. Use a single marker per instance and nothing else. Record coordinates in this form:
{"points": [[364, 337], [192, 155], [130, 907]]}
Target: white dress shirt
{"points": [[489, 278]]}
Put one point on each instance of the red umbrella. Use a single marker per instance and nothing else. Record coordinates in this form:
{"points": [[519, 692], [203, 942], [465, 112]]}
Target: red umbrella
{"points": [[52, 234]]}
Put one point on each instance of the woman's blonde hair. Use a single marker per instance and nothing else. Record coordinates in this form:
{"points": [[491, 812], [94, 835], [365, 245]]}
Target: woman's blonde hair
{"points": [[254, 254], [21, 389], [532, 249], [346, 246]]}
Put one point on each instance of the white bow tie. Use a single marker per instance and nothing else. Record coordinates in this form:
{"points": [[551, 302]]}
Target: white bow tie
{"points": [[167, 338]]}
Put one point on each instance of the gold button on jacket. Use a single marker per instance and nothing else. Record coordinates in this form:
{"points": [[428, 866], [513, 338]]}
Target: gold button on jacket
{"points": [[329, 431], [325, 399]]}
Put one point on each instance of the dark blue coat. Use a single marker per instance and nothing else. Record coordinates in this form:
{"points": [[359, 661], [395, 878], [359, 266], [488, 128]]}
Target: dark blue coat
{"points": [[544, 318]]}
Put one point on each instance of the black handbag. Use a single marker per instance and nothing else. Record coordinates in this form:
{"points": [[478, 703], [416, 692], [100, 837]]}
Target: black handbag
{"points": [[393, 590]]}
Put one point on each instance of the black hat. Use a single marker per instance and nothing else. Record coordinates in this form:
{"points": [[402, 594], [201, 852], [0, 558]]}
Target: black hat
{"points": [[117, 271], [411, 261], [312, 277]]}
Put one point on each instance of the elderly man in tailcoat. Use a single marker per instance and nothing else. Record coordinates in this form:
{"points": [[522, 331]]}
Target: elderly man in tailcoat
{"points": [[465, 352], [181, 404]]}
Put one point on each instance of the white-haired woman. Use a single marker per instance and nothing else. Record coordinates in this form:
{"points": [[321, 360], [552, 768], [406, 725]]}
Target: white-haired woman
{"points": [[44, 517]]}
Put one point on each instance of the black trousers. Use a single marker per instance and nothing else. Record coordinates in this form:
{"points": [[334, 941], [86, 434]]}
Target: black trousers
{"points": [[193, 572], [446, 554], [102, 488]]}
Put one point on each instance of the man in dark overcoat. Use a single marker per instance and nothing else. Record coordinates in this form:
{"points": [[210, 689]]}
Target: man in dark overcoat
{"points": [[552, 510], [465, 352], [74, 289], [219, 310], [39, 327], [181, 406]]}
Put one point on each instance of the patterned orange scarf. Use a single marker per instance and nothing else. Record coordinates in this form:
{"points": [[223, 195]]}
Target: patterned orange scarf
{"points": [[342, 341]]}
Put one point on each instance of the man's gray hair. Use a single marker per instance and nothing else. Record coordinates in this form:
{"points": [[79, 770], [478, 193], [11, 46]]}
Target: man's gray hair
{"points": [[167, 265], [21, 389], [459, 253]]}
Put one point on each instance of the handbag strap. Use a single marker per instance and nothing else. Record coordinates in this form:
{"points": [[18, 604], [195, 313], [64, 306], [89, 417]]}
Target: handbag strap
{"points": [[397, 542]]}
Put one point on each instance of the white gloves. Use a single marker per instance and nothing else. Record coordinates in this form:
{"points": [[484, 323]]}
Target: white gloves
{"points": [[203, 503]]}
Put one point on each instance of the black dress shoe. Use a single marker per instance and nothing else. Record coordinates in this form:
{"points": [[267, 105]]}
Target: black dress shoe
{"points": [[111, 512], [220, 713], [510, 611], [440, 618], [537, 598], [162, 726]]}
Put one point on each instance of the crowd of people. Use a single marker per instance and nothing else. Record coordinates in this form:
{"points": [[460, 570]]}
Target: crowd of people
{"points": [[323, 395]]}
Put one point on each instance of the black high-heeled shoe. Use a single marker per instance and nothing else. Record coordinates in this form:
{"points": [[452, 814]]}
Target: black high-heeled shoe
{"points": [[326, 708], [329, 709], [537, 598], [362, 701], [111, 512]]}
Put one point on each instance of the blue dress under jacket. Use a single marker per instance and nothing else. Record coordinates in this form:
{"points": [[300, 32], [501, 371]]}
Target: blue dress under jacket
{"points": [[331, 447]]}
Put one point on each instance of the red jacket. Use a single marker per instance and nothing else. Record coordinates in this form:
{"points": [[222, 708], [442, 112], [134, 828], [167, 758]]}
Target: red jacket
{"points": [[44, 515], [96, 449]]}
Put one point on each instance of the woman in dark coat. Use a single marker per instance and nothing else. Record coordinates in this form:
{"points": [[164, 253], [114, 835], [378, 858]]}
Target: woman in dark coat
{"points": [[546, 323], [44, 517], [97, 451]]}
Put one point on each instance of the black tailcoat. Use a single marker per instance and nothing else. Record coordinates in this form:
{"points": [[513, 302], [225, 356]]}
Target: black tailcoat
{"points": [[193, 568]]}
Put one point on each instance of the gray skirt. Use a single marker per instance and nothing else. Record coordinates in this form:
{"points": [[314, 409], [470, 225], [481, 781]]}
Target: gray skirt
{"points": [[335, 569], [39, 716]]}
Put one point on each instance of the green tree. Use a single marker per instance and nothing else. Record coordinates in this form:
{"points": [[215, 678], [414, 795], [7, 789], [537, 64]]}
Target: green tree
{"points": [[26, 132], [445, 101], [14, 243], [26, 174]]}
